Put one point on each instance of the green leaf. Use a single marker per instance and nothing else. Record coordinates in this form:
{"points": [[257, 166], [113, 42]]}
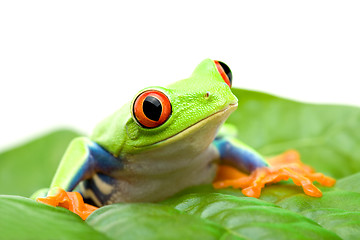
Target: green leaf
{"points": [[350, 183], [337, 210], [25, 169], [327, 136], [250, 217], [22, 218], [344, 223], [152, 221]]}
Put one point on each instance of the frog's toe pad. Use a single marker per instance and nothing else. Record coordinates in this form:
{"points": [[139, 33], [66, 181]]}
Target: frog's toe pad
{"points": [[72, 201]]}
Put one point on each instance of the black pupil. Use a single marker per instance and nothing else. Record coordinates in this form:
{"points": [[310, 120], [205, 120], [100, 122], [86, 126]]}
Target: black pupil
{"points": [[227, 71], [152, 108]]}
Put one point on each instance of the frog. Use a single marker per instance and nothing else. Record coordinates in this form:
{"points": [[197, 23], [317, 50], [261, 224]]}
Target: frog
{"points": [[167, 139]]}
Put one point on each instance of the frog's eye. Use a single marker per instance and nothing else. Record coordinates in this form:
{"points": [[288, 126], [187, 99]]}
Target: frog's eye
{"points": [[224, 71], [151, 108]]}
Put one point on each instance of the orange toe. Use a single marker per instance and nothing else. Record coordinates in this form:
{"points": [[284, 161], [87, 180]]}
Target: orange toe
{"points": [[76, 204], [312, 191], [54, 200], [72, 201], [322, 179], [252, 192], [282, 167]]}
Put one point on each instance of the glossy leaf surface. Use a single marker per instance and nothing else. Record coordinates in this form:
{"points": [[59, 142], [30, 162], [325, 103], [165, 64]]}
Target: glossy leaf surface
{"points": [[26, 168], [22, 218]]}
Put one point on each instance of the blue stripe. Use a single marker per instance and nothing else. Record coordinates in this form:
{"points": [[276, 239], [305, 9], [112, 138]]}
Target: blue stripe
{"points": [[104, 161], [234, 155], [98, 160]]}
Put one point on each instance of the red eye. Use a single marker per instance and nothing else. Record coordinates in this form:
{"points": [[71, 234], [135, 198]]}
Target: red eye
{"points": [[224, 71], [152, 108]]}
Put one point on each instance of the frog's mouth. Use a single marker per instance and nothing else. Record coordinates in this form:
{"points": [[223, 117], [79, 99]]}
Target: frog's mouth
{"points": [[203, 130]]}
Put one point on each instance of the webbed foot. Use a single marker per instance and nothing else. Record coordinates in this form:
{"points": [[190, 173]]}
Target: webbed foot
{"points": [[285, 166], [72, 201]]}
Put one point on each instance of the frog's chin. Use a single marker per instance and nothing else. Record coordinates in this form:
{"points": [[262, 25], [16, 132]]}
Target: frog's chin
{"points": [[201, 133]]}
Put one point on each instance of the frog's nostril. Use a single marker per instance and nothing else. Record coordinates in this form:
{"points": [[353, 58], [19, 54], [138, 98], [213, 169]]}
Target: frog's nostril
{"points": [[207, 95]]}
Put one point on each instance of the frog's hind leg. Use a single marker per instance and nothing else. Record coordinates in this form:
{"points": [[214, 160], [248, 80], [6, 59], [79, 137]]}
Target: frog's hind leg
{"points": [[262, 172], [237, 161]]}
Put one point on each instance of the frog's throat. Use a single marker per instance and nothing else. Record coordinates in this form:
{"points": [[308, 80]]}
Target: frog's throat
{"points": [[211, 123]]}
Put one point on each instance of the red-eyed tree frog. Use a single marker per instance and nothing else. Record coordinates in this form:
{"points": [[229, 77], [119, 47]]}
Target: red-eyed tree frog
{"points": [[165, 140]]}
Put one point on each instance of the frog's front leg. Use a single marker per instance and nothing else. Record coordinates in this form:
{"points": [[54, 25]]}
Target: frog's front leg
{"points": [[237, 156], [81, 161]]}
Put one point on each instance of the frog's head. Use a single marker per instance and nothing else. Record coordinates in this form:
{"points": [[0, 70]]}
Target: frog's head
{"points": [[191, 108]]}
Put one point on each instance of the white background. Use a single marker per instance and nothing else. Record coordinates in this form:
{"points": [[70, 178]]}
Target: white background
{"points": [[71, 63]]}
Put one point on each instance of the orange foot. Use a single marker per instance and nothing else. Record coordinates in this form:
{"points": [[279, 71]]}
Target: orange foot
{"points": [[69, 200], [285, 166]]}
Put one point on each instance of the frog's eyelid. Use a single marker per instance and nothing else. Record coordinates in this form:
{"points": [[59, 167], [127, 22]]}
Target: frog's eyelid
{"points": [[224, 71]]}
